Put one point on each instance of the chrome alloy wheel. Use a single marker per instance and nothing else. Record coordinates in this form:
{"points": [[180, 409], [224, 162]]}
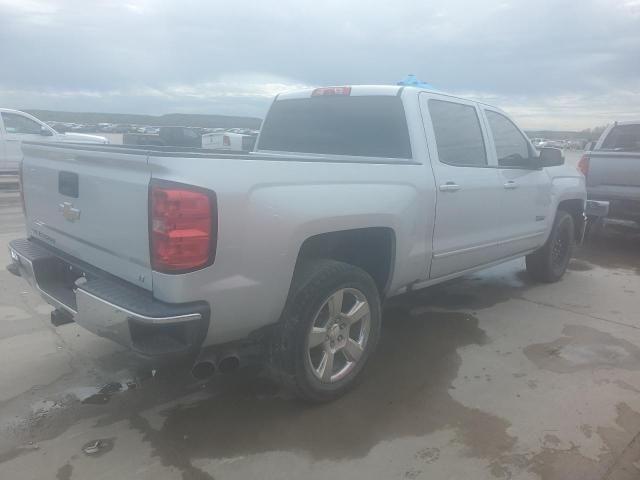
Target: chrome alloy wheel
{"points": [[338, 335]]}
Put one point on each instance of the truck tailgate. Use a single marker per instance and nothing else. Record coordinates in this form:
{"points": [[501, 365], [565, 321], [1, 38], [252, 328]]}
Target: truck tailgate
{"points": [[91, 204], [614, 169]]}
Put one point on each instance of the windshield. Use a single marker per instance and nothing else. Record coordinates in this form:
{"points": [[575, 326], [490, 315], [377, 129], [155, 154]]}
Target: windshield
{"points": [[623, 138]]}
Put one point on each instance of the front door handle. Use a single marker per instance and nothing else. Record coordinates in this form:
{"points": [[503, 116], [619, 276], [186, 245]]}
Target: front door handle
{"points": [[510, 185], [449, 187]]}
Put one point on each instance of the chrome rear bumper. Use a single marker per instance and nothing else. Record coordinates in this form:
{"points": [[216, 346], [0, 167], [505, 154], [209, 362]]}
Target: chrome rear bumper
{"points": [[597, 208], [110, 307]]}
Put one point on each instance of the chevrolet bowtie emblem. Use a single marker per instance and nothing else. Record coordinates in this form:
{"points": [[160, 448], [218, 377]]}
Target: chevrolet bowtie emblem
{"points": [[69, 211]]}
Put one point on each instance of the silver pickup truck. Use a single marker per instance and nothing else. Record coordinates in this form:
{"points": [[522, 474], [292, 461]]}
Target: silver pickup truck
{"points": [[612, 171], [353, 195]]}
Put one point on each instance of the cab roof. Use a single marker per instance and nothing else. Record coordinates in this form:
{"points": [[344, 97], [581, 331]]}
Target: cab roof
{"points": [[367, 90]]}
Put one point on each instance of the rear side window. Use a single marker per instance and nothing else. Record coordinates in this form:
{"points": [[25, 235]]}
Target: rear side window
{"points": [[368, 126], [458, 134], [623, 138], [511, 147]]}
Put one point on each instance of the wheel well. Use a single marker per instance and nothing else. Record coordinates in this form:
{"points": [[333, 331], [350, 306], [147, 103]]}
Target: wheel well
{"points": [[371, 249], [575, 207]]}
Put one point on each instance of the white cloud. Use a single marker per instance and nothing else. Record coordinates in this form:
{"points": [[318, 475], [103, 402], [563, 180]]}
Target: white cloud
{"points": [[567, 112], [554, 62]]}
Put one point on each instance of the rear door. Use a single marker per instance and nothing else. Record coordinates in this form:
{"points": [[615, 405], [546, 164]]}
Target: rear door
{"points": [[91, 204], [526, 191], [469, 192]]}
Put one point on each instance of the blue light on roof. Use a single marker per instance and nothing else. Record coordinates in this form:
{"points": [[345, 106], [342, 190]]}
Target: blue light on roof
{"points": [[411, 81]]}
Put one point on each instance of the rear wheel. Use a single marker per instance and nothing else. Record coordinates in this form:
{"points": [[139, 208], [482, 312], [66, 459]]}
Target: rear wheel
{"points": [[549, 263], [330, 326]]}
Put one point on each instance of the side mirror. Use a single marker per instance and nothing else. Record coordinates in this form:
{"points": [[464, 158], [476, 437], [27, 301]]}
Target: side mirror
{"points": [[550, 157], [45, 132]]}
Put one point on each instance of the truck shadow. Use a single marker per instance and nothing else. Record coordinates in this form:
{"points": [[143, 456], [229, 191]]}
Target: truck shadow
{"points": [[404, 392], [616, 247]]}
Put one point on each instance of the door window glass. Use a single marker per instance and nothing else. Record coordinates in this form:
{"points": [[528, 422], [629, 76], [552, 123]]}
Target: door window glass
{"points": [[458, 134], [511, 147]]}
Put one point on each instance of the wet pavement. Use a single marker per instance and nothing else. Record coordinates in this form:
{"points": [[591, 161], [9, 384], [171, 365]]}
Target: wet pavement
{"points": [[490, 376]]}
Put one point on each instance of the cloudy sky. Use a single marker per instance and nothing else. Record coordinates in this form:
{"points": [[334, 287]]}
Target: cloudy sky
{"points": [[551, 63]]}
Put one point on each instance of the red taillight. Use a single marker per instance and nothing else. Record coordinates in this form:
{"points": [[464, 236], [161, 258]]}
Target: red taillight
{"points": [[182, 228], [319, 92], [583, 165], [226, 141], [21, 186]]}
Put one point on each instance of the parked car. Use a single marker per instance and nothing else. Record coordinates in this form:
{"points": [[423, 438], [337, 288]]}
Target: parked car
{"points": [[612, 172], [229, 141], [552, 144], [353, 195], [181, 136], [16, 127]]}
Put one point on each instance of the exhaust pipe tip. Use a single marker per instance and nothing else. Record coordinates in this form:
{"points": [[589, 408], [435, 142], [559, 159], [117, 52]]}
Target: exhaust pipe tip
{"points": [[203, 370], [229, 363], [207, 366]]}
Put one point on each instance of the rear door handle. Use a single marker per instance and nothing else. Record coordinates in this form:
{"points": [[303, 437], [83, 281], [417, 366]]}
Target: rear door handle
{"points": [[510, 185], [449, 187]]}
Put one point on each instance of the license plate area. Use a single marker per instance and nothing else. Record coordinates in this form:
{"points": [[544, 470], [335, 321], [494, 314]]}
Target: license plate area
{"points": [[57, 279], [68, 184]]}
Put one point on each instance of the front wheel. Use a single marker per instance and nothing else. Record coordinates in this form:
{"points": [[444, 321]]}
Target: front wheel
{"points": [[329, 328], [549, 263]]}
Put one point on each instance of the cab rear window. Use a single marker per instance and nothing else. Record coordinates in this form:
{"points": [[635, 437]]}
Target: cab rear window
{"points": [[623, 138], [367, 126]]}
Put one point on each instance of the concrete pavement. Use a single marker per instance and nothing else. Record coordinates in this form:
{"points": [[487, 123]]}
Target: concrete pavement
{"points": [[491, 376]]}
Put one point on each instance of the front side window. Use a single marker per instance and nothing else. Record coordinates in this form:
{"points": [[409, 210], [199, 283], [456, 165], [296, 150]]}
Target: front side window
{"points": [[14, 123], [511, 147], [458, 134]]}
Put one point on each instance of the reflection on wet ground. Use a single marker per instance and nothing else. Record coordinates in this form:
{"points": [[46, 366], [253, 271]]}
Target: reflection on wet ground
{"points": [[584, 348], [405, 391], [244, 413], [616, 247]]}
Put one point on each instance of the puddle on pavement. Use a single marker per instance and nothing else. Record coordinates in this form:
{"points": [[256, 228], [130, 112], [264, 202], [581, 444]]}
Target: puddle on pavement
{"points": [[554, 463], [404, 392], [582, 348], [64, 472], [612, 249]]}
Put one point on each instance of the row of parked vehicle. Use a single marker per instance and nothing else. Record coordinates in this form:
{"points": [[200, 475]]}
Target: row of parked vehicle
{"points": [[236, 139], [568, 144], [17, 126]]}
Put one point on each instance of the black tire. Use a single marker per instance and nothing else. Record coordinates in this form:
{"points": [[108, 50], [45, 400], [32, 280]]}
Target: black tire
{"points": [[549, 263], [313, 283]]}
